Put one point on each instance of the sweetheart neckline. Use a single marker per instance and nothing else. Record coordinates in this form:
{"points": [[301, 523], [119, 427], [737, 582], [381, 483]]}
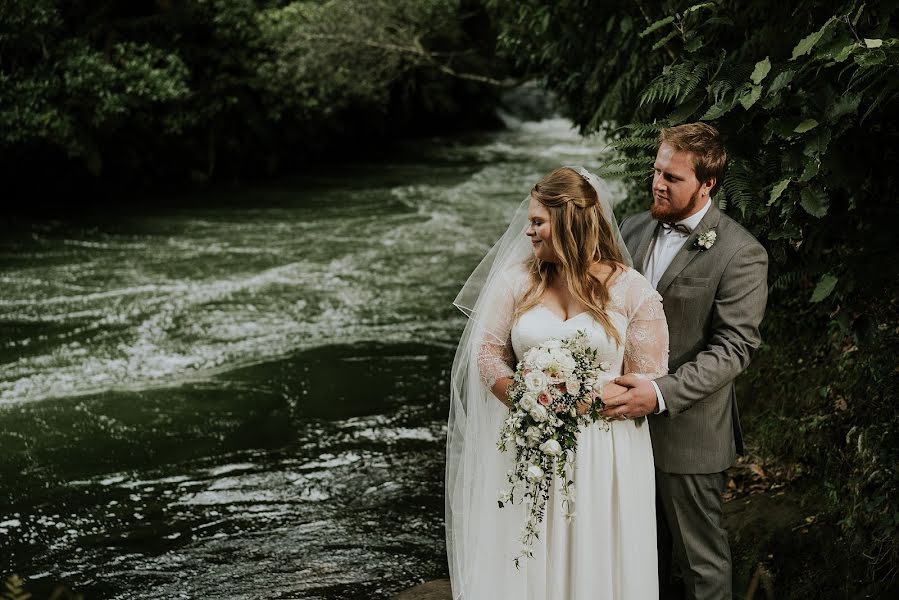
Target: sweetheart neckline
{"points": [[560, 319]]}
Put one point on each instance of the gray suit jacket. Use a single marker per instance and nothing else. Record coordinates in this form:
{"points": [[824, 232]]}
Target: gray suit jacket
{"points": [[714, 301]]}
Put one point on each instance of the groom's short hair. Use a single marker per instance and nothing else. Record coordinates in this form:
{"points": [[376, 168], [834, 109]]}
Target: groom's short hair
{"points": [[704, 142]]}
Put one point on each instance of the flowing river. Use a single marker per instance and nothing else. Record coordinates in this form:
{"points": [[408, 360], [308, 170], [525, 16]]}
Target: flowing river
{"points": [[243, 393]]}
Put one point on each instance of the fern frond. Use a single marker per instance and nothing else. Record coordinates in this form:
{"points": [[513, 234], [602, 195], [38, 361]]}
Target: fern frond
{"points": [[631, 162], [638, 175], [676, 82], [863, 78], [643, 129], [786, 280], [14, 589], [634, 142], [739, 187]]}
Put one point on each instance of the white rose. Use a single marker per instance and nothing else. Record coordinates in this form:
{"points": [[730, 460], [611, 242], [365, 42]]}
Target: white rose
{"points": [[533, 433], [535, 381], [573, 386], [528, 402], [551, 448], [539, 414], [605, 366], [535, 473], [520, 441], [543, 359]]}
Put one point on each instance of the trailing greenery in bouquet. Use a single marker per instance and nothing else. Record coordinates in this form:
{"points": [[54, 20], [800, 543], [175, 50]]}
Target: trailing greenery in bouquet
{"points": [[551, 383]]}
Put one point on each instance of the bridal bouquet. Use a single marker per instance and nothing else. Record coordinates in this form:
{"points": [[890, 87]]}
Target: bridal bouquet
{"points": [[549, 383]]}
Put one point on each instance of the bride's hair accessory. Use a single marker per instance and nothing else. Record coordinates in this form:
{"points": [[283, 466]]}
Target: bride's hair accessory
{"points": [[556, 188]]}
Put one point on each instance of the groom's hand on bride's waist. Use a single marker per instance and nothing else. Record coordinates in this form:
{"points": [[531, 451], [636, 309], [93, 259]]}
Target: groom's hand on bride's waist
{"points": [[639, 399]]}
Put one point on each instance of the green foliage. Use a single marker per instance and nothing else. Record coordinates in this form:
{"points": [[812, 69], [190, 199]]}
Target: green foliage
{"points": [[807, 117], [171, 88], [13, 588]]}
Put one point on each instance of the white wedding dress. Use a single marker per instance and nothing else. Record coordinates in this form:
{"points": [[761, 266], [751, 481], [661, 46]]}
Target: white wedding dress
{"points": [[608, 550]]}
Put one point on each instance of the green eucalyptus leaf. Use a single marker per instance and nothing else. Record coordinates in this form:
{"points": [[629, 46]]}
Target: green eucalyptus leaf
{"points": [[657, 25], [810, 170], [858, 14], [784, 127], [760, 71], [749, 98], [871, 59], [664, 40], [806, 44], [777, 190], [844, 52], [696, 7], [815, 202], [843, 105], [782, 80], [818, 142], [836, 46], [694, 44], [787, 208], [772, 102], [824, 288], [806, 125], [718, 109], [684, 111]]}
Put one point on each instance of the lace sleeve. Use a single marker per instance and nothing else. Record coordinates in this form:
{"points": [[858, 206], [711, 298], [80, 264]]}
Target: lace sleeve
{"points": [[646, 340], [496, 359]]}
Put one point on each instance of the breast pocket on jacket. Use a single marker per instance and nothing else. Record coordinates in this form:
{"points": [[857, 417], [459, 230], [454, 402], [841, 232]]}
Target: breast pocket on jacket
{"points": [[689, 286]]}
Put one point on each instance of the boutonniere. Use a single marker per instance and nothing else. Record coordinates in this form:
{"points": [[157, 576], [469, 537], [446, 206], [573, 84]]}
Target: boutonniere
{"points": [[706, 240]]}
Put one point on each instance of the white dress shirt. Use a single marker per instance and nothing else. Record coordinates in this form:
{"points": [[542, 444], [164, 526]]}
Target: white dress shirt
{"points": [[662, 250]]}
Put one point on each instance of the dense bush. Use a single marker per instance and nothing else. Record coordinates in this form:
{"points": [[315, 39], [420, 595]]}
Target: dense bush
{"points": [[157, 90], [805, 94]]}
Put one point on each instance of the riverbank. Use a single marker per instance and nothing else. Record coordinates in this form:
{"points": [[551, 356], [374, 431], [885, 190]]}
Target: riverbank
{"points": [[781, 548]]}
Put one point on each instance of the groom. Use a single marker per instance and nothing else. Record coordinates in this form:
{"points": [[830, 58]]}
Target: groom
{"points": [[712, 275]]}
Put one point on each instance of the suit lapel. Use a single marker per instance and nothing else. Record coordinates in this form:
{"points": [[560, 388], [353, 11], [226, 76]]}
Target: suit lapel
{"points": [[643, 245], [689, 251]]}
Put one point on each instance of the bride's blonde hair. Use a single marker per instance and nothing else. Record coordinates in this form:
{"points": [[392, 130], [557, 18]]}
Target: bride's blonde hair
{"points": [[581, 236]]}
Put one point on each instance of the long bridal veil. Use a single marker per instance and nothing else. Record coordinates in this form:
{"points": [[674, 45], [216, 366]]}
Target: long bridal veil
{"points": [[474, 470]]}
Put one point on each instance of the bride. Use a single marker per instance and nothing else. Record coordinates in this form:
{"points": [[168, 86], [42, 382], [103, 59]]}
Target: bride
{"points": [[560, 267]]}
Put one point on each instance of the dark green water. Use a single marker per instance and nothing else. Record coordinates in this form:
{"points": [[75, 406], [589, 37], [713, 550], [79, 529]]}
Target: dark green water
{"points": [[244, 395]]}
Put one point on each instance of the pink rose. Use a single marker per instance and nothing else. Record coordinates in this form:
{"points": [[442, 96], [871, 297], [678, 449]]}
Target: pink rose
{"points": [[544, 399]]}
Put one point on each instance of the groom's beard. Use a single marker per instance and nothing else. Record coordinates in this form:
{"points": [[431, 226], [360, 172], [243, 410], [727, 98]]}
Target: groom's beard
{"points": [[667, 213]]}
